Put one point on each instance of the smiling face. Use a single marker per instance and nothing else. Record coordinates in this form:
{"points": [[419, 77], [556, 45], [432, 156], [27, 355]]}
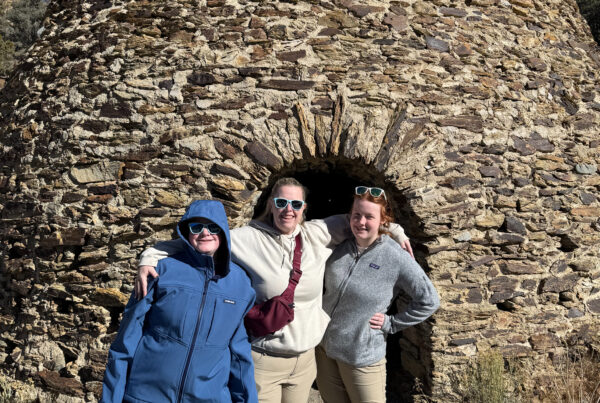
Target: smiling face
{"points": [[286, 219], [365, 220], [205, 242]]}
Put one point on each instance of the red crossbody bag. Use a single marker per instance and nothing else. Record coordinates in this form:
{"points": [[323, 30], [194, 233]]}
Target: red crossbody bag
{"points": [[273, 314]]}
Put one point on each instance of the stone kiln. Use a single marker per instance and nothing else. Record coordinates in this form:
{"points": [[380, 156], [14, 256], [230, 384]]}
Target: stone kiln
{"points": [[480, 117]]}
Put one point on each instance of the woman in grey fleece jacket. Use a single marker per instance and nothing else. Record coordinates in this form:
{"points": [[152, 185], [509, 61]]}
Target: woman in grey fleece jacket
{"points": [[364, 275]]}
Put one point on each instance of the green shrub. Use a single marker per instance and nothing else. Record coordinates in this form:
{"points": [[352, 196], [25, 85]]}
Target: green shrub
{"points": [[488, 380], [7, 56], [22, 21]]}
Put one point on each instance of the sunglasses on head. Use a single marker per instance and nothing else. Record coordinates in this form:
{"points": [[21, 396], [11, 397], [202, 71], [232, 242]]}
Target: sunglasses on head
{"points": [[375, 192], [197, 228], [281, 203]]}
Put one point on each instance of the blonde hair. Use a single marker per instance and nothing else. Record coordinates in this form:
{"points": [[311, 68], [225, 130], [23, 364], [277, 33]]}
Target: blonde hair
{"points": [[266, 216]]}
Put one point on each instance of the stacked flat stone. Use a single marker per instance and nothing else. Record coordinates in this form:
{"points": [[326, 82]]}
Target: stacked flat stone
{"points": [[482, 115]]}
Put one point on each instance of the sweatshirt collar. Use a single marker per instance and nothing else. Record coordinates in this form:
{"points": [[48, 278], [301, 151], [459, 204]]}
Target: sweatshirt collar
{"points": [[376, 242]]}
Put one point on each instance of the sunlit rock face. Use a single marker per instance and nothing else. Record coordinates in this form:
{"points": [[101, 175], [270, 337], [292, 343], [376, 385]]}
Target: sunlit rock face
{"points": [[479, 117]]}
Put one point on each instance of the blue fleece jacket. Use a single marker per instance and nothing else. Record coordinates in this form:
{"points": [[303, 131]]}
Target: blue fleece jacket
{"points": [[186, 341]]}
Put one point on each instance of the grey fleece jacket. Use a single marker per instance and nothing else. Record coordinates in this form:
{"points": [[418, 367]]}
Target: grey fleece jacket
{"points": [[357, 287]]}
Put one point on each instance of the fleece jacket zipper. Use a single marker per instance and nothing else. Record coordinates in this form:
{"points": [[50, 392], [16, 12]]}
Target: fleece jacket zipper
{"points": [[345, 282], [193, 344], [350, 271]]}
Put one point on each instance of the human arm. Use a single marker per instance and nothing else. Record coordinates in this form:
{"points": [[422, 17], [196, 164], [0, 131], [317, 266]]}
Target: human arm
{"points": [[424, 299], [333, 230], [241, 376], [149, 259], [122, 350], [398, 235]]}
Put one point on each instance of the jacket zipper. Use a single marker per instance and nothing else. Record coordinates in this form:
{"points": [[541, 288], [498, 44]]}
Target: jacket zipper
{"points": [[345, 282], [350, 271], [193, 344]]}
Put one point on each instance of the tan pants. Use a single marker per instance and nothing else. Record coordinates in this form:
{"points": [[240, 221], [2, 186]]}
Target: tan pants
{"points": [[284, 379], [343, 383]]}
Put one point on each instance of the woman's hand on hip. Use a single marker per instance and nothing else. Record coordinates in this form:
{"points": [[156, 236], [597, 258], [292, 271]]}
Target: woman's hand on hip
{"points": [[377, 321]]}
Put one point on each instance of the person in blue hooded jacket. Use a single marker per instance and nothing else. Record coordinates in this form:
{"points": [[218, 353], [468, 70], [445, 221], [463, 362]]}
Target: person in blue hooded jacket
{"points": [[185, 341]]}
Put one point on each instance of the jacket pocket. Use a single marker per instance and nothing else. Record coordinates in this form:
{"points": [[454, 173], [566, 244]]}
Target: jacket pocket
{"points": [[366, 336], [156, 369], [174, 313], [130, 399], [226, 317], [376, 337]]}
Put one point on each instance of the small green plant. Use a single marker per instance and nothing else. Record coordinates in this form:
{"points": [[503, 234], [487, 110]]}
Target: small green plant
{"points": [[488, 379]]}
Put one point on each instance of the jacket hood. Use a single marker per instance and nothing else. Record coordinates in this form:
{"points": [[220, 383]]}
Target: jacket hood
{"points": [[214, 211]]}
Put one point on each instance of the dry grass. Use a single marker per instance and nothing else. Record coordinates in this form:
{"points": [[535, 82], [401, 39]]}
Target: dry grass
{"points": [[570, 377], [576, 377]]}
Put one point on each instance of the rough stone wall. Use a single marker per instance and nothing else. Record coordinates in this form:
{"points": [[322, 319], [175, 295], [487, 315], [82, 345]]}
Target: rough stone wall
{"points": [[480, 115]]}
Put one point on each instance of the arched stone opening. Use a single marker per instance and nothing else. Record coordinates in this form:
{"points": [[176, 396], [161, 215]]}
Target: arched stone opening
{"points": [[331, 182]]}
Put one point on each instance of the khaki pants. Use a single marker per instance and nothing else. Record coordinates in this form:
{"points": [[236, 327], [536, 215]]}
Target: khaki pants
{"points": [[284, 379], [343, 383]]}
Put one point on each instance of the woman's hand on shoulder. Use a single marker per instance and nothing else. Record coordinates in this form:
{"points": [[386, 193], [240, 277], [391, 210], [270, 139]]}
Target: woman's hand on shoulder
{"points": [[406, 246], [377, 321], [141, 280]]}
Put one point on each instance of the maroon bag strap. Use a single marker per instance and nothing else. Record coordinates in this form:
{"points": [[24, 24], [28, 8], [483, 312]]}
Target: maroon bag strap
{"points": [[288, 294]]}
